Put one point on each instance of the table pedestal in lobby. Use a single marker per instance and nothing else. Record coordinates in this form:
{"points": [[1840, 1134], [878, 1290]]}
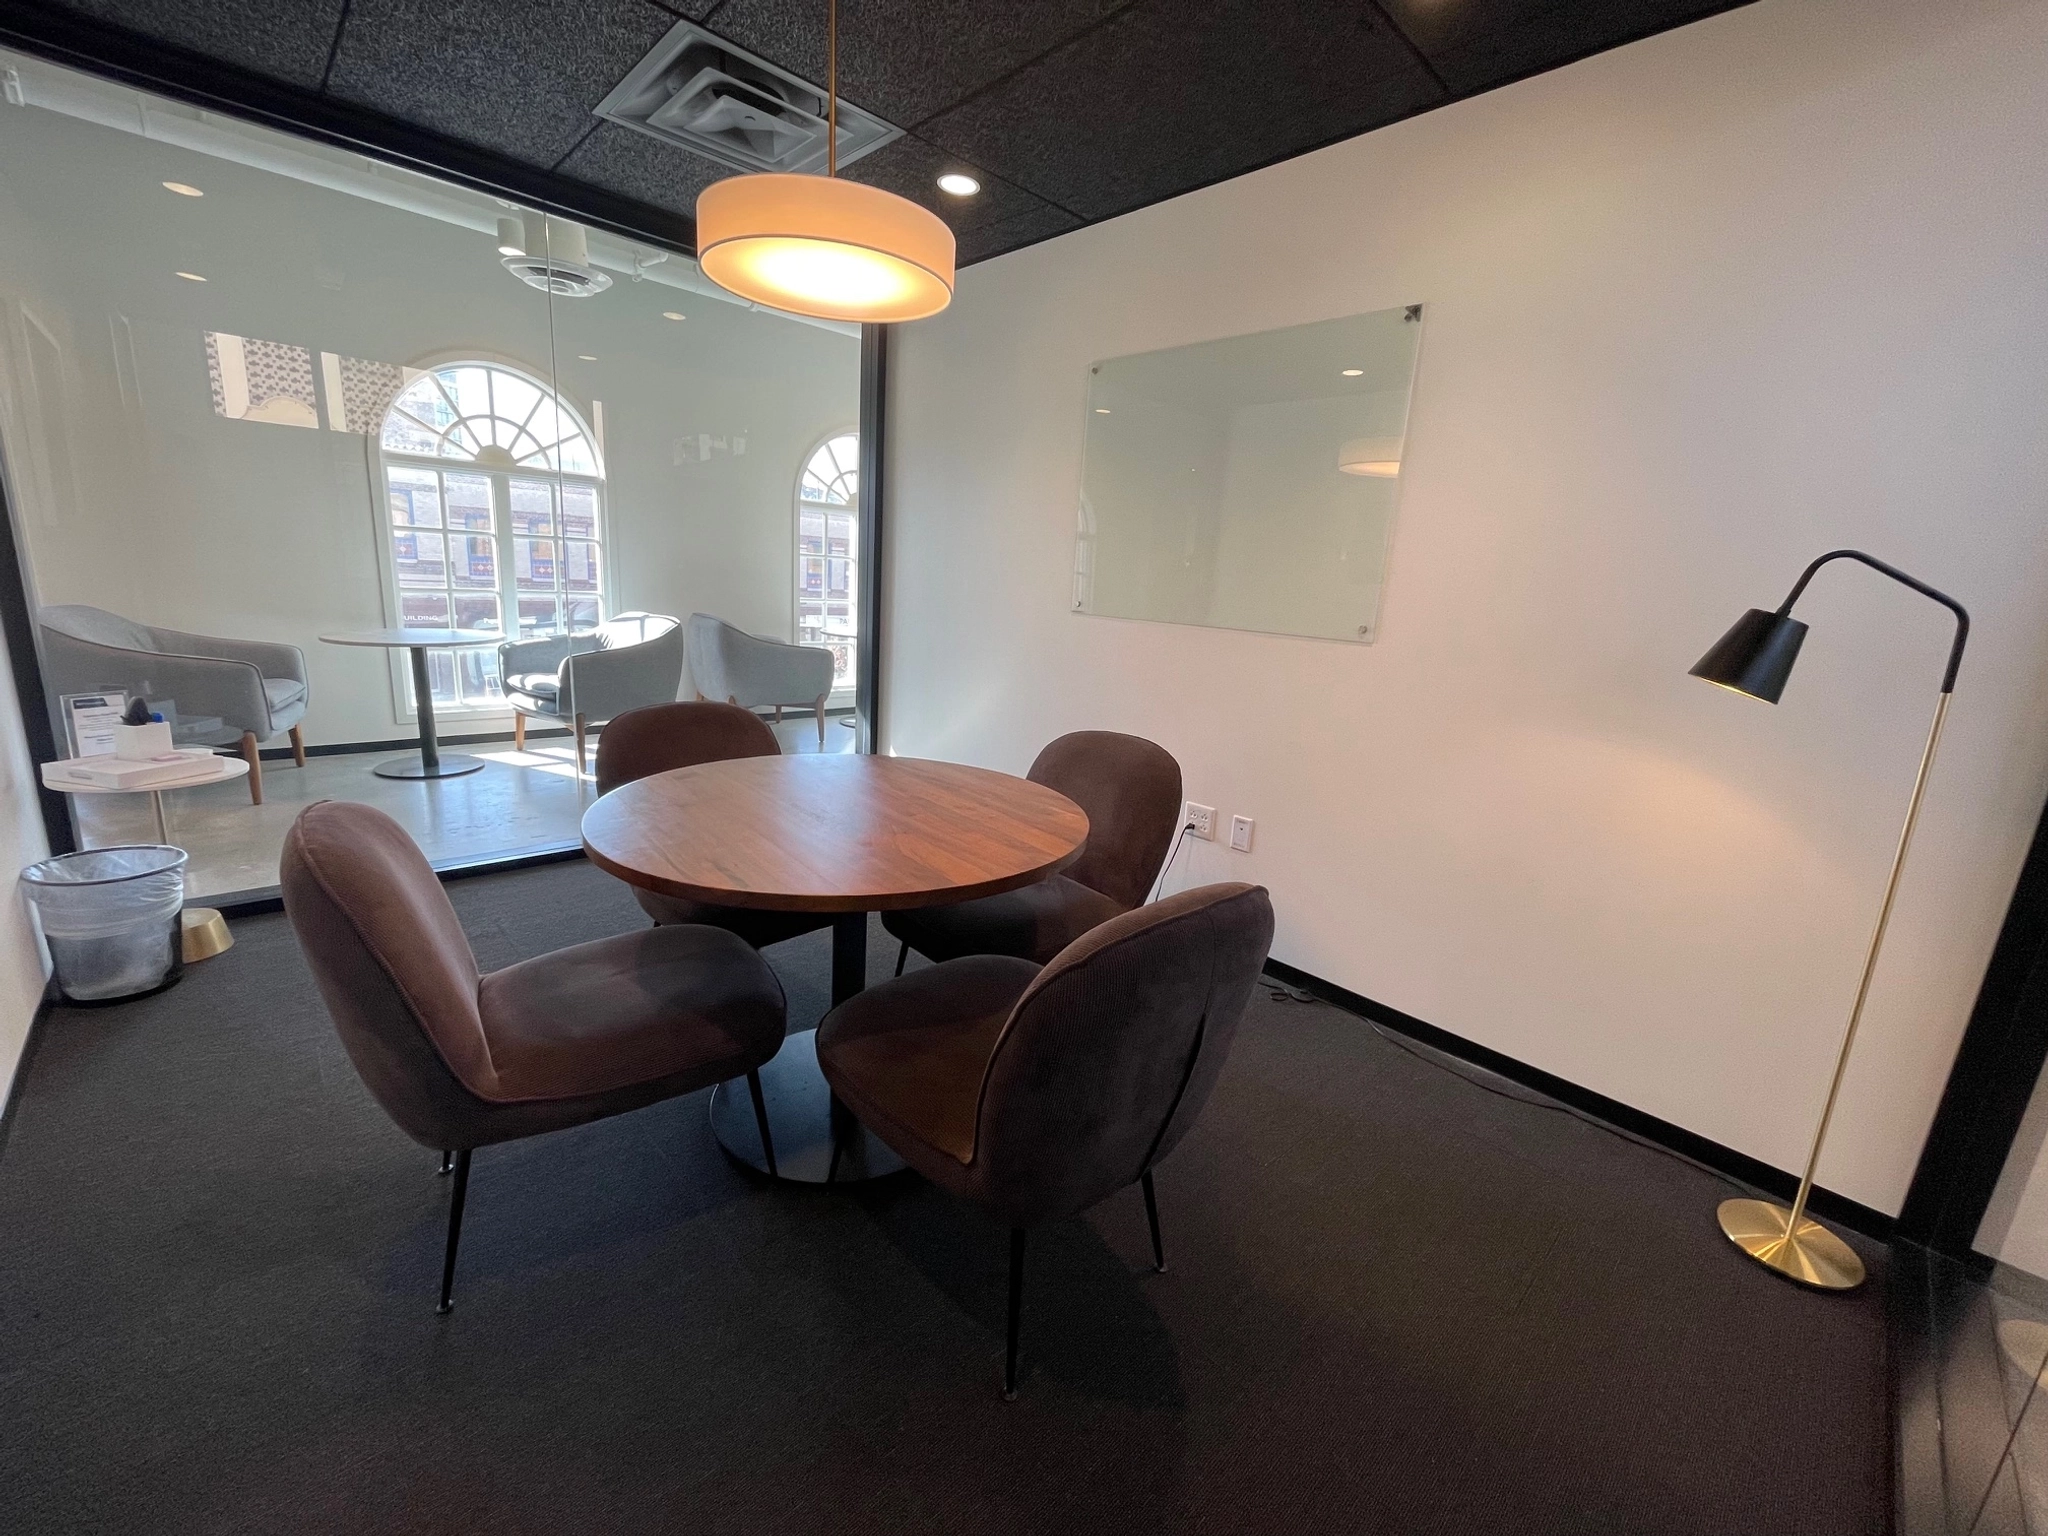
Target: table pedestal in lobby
{"points": [[847, 835], [430, 764]]}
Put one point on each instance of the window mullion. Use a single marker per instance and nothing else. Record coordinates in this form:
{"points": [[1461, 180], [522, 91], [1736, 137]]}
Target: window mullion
{"points": [[507, 565]]}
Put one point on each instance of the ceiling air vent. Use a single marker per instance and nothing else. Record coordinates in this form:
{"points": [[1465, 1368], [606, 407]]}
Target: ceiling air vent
{"points": [[702, 94], [554, 256]]}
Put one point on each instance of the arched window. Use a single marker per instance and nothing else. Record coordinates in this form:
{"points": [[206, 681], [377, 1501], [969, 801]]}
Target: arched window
{"points": [[482, 463], [828, 551]]}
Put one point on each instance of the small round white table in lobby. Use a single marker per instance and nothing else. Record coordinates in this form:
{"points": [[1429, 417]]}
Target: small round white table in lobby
{"points": [[430, 764]]}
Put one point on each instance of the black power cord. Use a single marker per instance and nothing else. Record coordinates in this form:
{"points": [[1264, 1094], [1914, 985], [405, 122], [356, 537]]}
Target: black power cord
{"points": [[1280, 992], [1163, 873]]}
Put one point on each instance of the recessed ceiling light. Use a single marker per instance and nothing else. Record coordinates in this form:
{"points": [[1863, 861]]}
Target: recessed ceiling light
{"points": [[1102, 410], [959, 185], [586, 357], [192, 277], [669, 314], [1352, 373], [182, 189]]}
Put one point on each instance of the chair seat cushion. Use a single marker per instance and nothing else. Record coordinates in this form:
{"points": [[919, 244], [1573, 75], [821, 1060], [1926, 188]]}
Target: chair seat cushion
{"points": [[1034, 923], [908, 1055], [757, 926], [542, 685], [281, 691], [683, 1006]]}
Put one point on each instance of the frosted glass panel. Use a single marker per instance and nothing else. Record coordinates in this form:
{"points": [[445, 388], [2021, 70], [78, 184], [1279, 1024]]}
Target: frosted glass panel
{"points": [[1249, 483]]}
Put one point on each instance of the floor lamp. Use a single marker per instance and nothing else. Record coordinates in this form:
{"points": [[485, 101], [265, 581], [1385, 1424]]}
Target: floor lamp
{"points": [[1755, 657]]}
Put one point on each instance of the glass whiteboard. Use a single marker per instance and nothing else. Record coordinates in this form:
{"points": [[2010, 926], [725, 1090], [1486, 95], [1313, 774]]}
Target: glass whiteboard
{"points": [[1249, 483]]}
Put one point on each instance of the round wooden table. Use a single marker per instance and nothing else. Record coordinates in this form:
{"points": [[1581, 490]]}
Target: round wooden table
{"points": [[840, 833], [430, 764]]}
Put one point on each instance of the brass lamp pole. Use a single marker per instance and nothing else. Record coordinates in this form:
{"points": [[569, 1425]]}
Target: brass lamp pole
{"points": [[1755, 657]]}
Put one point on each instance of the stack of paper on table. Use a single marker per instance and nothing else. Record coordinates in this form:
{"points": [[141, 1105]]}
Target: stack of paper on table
{"points": [[109, 772]]}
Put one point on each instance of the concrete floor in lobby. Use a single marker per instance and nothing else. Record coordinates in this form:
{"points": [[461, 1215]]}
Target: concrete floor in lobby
{"points": [[518, 803]]}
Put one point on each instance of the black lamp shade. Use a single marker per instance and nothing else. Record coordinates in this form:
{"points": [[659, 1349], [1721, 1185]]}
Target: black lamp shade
{"points": [[1755, 656]]}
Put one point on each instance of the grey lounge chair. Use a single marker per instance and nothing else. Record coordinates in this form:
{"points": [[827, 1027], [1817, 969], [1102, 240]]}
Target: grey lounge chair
{"points": [[734, 667], [628, 662], [253, 689]]}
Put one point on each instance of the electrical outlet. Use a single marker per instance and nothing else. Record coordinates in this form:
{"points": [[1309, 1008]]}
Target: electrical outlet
{"points": [[1203, 819], [1241, 833]]}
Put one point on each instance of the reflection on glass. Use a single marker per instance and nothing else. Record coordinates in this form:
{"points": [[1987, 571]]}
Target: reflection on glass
{"points": [[524, 464], [1248, 483], [828, 522]]}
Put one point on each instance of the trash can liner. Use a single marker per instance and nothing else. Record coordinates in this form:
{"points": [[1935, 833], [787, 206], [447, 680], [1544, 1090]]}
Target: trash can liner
{"points": [[110, 916]]}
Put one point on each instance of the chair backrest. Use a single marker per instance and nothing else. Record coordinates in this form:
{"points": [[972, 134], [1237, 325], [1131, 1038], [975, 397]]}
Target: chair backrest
{"points": [[634, 628], [96, 626], [665, 736], [1130, 788], [730, 664], [392, 962], [1111, 1052]]}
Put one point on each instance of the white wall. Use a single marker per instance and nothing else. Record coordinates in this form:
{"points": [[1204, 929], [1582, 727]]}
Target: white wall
{"points": [[22, 966], [1699, 309], [139, 498]]}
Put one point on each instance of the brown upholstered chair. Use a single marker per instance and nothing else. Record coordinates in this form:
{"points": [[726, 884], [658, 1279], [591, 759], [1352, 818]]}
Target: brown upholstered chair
{"points": [[462, 1060], [643, 742], [1130, 788], [1036, 1092]]}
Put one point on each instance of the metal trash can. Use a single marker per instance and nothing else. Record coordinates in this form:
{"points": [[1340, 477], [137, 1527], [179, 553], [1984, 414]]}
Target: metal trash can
{"points": [[110, 916]]}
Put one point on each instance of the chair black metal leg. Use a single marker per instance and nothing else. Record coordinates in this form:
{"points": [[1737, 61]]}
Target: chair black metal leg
{"points": [[447, 1161], [761, 1120], [902, 955], [1016, 1311], [1152, 1217], [455, 1199], [840, 1125]]}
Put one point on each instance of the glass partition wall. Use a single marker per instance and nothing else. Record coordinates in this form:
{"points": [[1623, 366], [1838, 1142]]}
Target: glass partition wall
{"points": [[259, 389]]}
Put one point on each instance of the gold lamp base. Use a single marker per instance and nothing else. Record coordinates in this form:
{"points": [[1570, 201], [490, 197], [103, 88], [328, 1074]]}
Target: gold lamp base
{"points": [[1812, 1256], [203, 933]]}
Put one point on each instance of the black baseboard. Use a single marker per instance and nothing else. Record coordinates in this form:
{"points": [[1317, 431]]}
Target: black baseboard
{"points": [[1739, 1166], [412, 743], [270, 899], [402, 744], [29, 1042]]}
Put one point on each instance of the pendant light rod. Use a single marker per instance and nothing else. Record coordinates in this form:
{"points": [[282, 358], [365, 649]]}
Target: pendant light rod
{"points": [[815, 245]]}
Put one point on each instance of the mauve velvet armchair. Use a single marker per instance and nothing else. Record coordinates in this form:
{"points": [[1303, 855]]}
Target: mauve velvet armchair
{"points": [[668, 736], [461, 1059], [1130, 788], [1035, 1092]]}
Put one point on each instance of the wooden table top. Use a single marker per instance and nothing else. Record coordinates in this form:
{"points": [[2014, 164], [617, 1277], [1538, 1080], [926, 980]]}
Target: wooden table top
{"points": [[833, 832], [431, 639]]}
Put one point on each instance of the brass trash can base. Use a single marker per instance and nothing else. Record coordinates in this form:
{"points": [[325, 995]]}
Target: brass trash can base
{"points": [[203, 933]]}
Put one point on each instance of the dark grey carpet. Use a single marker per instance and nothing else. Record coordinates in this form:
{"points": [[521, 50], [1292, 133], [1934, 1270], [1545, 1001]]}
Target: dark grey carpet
{"points": [[1395, 1303]]}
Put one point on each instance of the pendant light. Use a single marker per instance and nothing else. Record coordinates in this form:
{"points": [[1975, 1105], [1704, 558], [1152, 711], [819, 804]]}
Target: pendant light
{"points": [[819, 246], [1379, 457]]}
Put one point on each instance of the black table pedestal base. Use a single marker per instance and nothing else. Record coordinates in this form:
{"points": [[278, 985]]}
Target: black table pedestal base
{"points": [[452, 766], [800, 1120]]}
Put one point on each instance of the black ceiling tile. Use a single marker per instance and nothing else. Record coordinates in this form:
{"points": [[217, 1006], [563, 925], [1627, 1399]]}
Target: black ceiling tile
{"points": [[285, 39], [520, 76], [906, 59], [911, 168], [635, 165], [1481, 43], [1040, 223], [1174, 94]]}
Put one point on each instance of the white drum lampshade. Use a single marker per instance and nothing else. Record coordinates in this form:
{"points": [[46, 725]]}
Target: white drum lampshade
{"points": [[1376, 456], [819, 246]]}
